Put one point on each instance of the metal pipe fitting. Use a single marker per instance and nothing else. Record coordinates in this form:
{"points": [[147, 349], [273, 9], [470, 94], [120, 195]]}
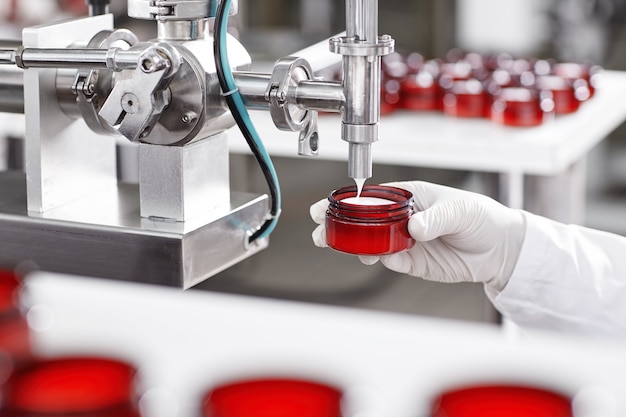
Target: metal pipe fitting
{"points": [[309, 94], [182, 30], [361, 49], [114, 59]]}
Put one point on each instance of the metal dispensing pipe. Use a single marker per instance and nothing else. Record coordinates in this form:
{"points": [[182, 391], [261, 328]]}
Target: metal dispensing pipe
{"points": [[361, 49]]}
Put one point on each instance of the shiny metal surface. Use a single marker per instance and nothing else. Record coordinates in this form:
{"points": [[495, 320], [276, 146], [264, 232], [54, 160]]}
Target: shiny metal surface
{"points": [[182, 30], [361, 49], [65, 160], [175, 9], [103, 235], [280, 92], [182, 182], [113, 59], [308, 94], [89, 88], [138, 98]]}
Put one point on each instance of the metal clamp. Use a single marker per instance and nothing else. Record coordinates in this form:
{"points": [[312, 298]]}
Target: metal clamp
{"points": [[280, 93], [353, 47], [162, 10], [92, 86]]}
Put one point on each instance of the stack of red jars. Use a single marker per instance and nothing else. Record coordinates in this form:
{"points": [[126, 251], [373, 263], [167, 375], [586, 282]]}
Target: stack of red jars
{"points": [[507, 90]]}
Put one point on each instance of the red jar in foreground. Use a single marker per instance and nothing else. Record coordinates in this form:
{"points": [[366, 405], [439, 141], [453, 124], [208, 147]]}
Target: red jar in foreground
{"points": [[77, 386], [369, 229], [273, 398], [14, 331], [502, 401]]}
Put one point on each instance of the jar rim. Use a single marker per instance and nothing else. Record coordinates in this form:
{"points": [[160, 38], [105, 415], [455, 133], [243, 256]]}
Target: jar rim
{"points": [[401, 198]]}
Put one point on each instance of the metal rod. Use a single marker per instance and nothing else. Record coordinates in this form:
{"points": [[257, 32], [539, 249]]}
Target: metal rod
{"points": [[114, 58], [362, 19]]}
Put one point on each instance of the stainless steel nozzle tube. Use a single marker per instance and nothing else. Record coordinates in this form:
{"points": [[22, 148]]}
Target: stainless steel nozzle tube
{"points": [[361, 49]]}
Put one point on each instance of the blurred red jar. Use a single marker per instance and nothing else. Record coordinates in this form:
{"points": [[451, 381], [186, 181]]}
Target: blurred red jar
{"points": [[466, 98], [563, 93], [273, 398], [15, 335], [364, 229], [421, 92], [517, 106], [76, 386], [581, 74], [502, 401], [390, 96]]}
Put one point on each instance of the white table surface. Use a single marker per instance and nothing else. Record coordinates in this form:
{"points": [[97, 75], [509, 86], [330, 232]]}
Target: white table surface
{"points": [[431, 139], [389, 365]]}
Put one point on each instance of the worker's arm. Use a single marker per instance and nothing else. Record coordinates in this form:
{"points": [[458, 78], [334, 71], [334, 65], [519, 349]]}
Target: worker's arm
{"points": [[539, 273], [568, 278]]}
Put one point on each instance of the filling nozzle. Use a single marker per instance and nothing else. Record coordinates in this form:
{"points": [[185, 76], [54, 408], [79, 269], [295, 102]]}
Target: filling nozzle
{"points": [[361, 50], [360, 160], [360, 139]]}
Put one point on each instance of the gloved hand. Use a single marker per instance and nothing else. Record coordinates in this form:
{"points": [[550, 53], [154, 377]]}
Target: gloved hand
{"points": [[460, 236]]}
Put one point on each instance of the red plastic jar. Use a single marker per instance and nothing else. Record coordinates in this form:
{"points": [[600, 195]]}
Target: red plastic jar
{"points": [[77, 386], [15, 337], [273, 398], [502, 401], [564, 93], [517, 106], [369, 229], [421, 92], [578, 72], [466, 98]]}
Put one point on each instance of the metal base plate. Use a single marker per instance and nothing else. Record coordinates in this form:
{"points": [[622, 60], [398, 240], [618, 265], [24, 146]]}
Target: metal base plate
{"points": [[104, 236]]}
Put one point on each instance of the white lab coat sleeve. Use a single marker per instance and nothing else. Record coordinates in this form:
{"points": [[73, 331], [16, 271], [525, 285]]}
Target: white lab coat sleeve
{"points": [[567, 278]]}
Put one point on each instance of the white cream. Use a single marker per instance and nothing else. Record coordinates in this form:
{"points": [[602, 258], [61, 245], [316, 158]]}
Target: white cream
{"points": [[359, 186], [367, 201]]}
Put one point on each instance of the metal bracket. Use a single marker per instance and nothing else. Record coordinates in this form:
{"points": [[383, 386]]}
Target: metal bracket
{"points": [[308, 141]]}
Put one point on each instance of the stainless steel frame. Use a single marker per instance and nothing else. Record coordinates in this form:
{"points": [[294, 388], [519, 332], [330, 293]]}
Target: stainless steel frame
{"points": [[84, 81]]}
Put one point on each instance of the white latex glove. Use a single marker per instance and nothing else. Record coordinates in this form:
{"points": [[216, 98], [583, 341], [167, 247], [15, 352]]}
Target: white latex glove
{"points": [[460, 236]]}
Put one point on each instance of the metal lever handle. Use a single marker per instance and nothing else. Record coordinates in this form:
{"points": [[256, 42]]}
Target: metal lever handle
{"points": [[137, 101]]}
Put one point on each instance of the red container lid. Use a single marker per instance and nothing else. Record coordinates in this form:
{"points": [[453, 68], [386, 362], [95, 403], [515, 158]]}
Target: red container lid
{"points": [[273, 398], [70, 385], [502, 401]]}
